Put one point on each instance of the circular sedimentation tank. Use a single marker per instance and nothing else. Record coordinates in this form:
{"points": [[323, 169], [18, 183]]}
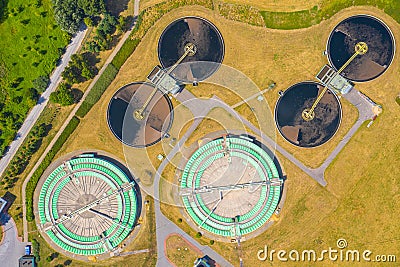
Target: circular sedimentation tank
{"points": [[199, 34], [231, 187], [139, 132], [361, 28], [312, 133], [81, 209]]}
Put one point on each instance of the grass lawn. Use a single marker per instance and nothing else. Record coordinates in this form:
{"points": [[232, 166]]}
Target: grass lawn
{"points": [[180, 252], [143, 4], [277, 5], [30, 46], [281, 19]]}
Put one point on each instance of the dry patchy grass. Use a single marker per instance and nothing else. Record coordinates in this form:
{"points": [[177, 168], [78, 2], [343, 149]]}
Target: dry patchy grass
{"points": [[180, 252], [277, 5]]}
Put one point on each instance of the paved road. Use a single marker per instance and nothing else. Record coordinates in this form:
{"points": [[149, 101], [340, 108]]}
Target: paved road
{"points": [[71, 115], [11, 248], [364, 114], [34, 114]]}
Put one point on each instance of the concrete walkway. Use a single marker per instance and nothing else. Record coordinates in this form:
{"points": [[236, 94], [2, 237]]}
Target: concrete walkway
{"points": [[35, 112], [11, 248]]}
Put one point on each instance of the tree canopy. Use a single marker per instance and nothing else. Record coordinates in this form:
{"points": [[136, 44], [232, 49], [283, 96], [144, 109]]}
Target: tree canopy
{"points": [[63, 95], [79, 69], [69, 14], [92, 7], [41, 83]]}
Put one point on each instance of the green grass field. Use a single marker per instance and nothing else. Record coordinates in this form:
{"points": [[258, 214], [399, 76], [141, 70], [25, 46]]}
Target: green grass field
{"points": [[326, 9], [30, 45]]}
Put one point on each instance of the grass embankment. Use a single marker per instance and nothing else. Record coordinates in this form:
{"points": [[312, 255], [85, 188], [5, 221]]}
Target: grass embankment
{"points": [[53, 118], [326, 9], [30, 188], [285, 5], [30, 46]]}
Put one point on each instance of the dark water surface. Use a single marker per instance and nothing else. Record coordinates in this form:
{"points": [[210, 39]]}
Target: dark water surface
{"points": [[158, 115], [204, 35], [361, 28], [307, 133]]}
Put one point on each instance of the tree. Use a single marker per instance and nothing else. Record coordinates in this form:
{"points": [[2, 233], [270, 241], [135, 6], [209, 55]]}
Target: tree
{"points": [[88, 21], [78, 70], [121, 23], [63, 95], [107, 24], [41, 83], [71, 74], [30, 95], [92, 7], [68, 15]]}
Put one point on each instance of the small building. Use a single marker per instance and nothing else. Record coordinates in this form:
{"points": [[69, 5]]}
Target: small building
{"points": [[3, 203], [164, 81], [334, 81], [27, 261]]}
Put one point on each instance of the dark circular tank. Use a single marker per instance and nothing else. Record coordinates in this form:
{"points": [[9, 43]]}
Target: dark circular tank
{"points": [[294, 128], [157, 116], [361, 28], [208, 43]]}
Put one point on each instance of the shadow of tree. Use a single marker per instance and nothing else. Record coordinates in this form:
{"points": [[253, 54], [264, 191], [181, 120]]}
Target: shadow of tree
{"points": [[3, 10], [116, 7]]}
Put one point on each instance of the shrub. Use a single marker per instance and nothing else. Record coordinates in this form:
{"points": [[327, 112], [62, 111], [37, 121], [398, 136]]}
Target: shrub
{"points": [[212, 242], [63, 95], [179, 220], [198, 235], [124, 53], [24, 154], [98, 89], [41, 83], [88, 21], [36, 249]]}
